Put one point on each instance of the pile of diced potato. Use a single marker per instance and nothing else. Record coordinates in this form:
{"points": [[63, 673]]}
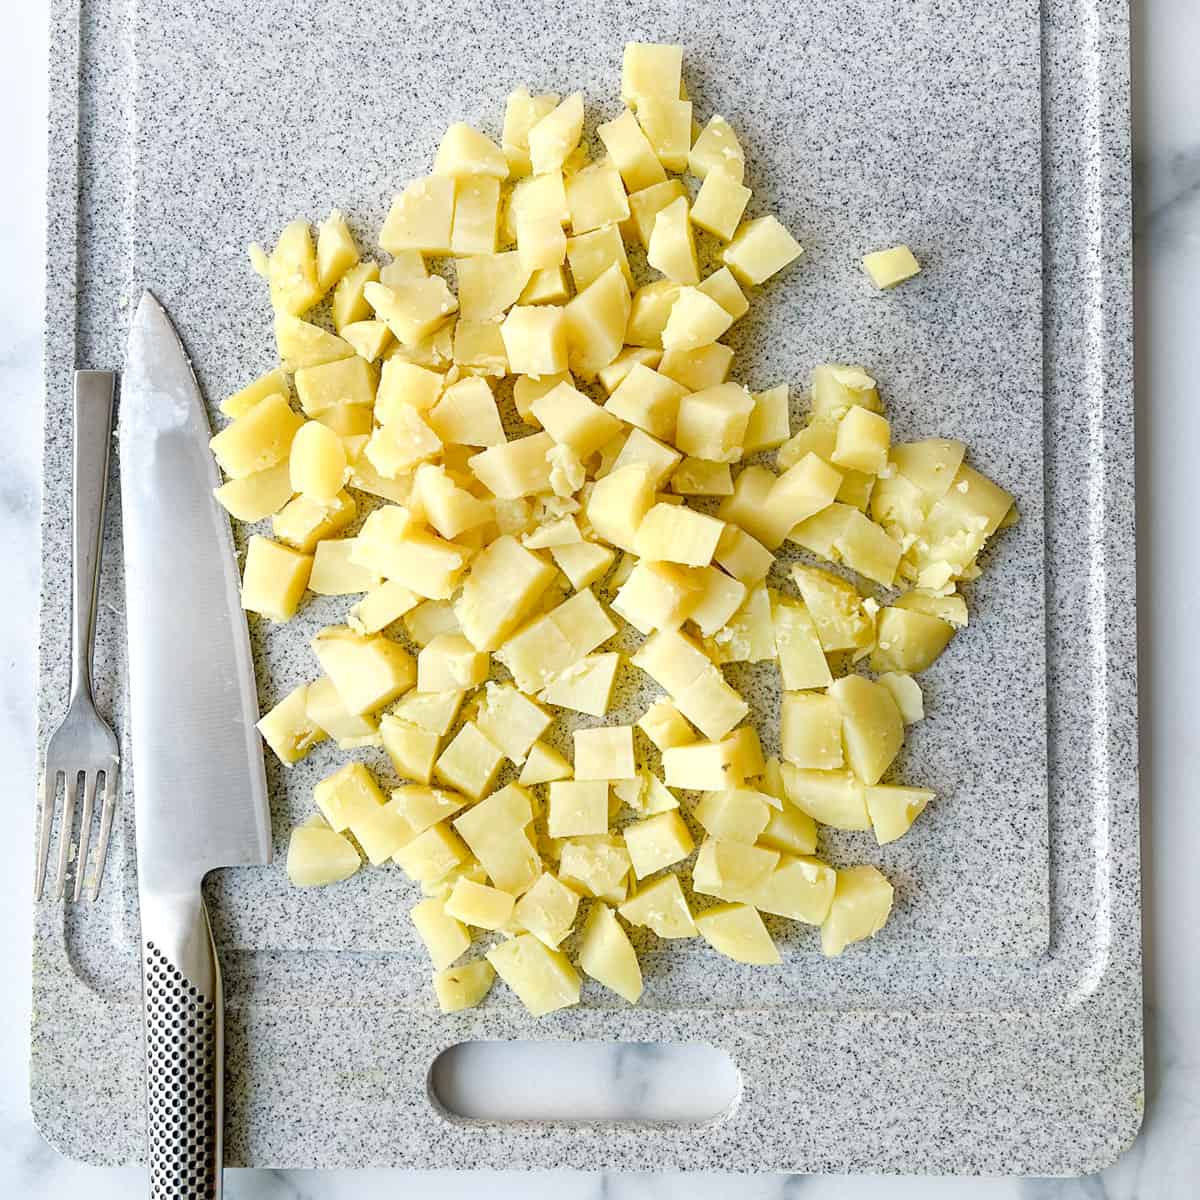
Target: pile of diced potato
{"points": [[549, 460]]}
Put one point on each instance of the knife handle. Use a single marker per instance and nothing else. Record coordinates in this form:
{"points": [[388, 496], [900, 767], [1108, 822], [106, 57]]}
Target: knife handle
{"points": [[185, 1043]]}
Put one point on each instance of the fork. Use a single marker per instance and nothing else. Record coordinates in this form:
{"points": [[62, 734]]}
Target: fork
{"points": [[83, 745]]}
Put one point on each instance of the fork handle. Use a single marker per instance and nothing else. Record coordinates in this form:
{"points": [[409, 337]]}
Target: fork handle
{"points": [[92, 439], [184, 1024]]}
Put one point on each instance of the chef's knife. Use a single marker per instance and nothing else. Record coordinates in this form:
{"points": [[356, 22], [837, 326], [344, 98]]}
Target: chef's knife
{"points": [[200, 797]]}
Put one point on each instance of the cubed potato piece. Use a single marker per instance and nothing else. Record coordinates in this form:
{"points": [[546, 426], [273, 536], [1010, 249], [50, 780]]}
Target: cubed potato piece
{"points": [[618, 504], [824, 532], [467, 415], [660, 906], [535, 340], [836, 609], [597, 866], [547, 285], [540, 200], [259, 440], [723, 288], [349, 305], [717, 149], [908, 640], [799, 888], [571, 418], [405, 388], [834, 798], [547, 646], [749, 635], [861, 905], [650, 309], [541, 243], [585, 686], [866, 548], [326, 710], [769, 424], [528, 389], [666, 726], [495, 830], [470, 763], [511, 720], [432, 855], [605, 953], [466, 151], [836, 387], [631, 152], [612, 376], [463, 987], [476, 216], [596, 197], [672, 246], [423, 807], [256, 496], [544, 764], [650, 69], [667, 123], [518, 468], [555, 136], [704, 766], [274, 579], [450, 509], [863, 441], [543, 979], [504, 583], [657, 457], [596, 320], [405, 266], [760, 249], [417, 311], [292, 271], [368, 672], [336, 251], [747, 507], [720, 203], [547, 910], [289, 729], [790, 831], [273, 383], [872, 727], [648, 400], [335, 574], [742, 556], [799, 493], [381, 832], [654, 796], [301, 344], [327, 385], [395, 448], [738, 932], [591, 254], [712, 423], [605, 753], [577, 807], [479, 905], [430, 619], [317, 464], [646, 204], [887, 268], [674, 533], [734, 815], [445, 937], [582, 562], [732, 871], [490, 284], [479, 349], [521, 113], [449, 663], [698, 477], [348, 796], [695, 320], [906, 692], [657, 595], [695, 683], [420, 217], [429, 565], [811, 731], [657, 843], [317, 856], [893, 809], [369, 339], [932, 465], [958, 526], [697, 369], [802, 662], [432, 711]]}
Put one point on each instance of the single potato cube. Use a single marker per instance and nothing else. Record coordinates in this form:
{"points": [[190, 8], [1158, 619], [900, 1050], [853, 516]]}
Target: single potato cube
{"points": [[703, 766], [596, 320], [650, 309], [646, 204], [348, 796], [723, 288], [459, 988], [861, 905], [547, 910], [317, 465], [451, 663], [747, 506], [789, 830], [696, 320], [932, 464], [450, 509], [479, 349], [585, 686], [769, 424], [802, 662], [521, 113], [719, 204], [466, 151], [894, 809], [799, 888], [289, 729], [641, 449], [406, 265], [479, 905], [591, 254], [445, 938], [292, 271], [317, 856], [631, 151], [528, 389], [596, 197], [301, 344], [799, 493], [720, 599], [256, 496], [865, 548], [571, 418], [952, 607], [836, 609], [327, 385], [420, 217], [618, 504], [660, 906], [673, 533], [369, 339], [582, 562], [872, 727], [404, 386], [258, 440], [431, 711], [470, 763], [381, 832], [732, 870], [518, 468], [535, 340], [835, 388], [490, 284], [665, 726], [650, 69], [349, 305], [703, 367], [863, 441], [906, 692], [745, 558], [336, 251], [598, 866], [368, 672], [274, 579], [325, 709], [541, 243], [890, 267], [431, 855], [657, 595], [811, 731], [429, 565], [605, 753], [648, 400], [606, 954], [749, 636], [273, 383], [738, 932], [733, 815], [657, 842], [672, 247], [908, 640], [504, 583], [667, 123], [495, 830], [424, 807], [555, 136], [547, 285], [412, 315], [412, 749], [511, 720], [717, 149], [335, 574], [543, 765], [302, 522], [834, 798], [712, 423], [760, 249], [543, 979], [577, 808]]}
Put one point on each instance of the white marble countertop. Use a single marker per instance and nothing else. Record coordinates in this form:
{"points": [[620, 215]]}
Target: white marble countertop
{"points": [[1164, 1163]]}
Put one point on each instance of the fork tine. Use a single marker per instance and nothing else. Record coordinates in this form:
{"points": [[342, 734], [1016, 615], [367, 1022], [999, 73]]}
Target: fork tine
{"points": [[71, 791], [90, 782], [106, 822], [49, 794]]}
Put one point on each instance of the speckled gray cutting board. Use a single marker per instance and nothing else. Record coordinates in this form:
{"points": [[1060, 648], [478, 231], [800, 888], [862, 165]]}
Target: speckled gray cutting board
{"points": [[996, 1025]]}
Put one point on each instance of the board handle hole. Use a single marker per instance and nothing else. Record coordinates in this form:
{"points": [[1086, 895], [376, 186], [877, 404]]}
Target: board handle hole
{"points": [[668, 1082]]}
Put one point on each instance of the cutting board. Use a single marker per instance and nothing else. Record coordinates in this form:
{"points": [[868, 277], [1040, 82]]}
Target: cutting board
{"points": [[996, 1025]]}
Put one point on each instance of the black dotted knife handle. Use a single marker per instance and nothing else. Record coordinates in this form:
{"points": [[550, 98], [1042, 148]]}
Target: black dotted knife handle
{"points": [[181, 985]]}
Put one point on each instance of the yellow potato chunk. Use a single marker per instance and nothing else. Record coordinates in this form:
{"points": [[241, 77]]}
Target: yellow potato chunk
{"points": [[476, 216], [369, 339], [863, 441], [420, 217], [417, 311], [273, 383], [657, 595], [887, 268], [703, 367], [802, 662], [836, 609], [835, 388], [445, 937], [543, 765], [256, 496], [835, 798], [712, 423], [555, 136], [745, 558], [908, 640], [504, 583], [571, 418], [667, 123], [596, 320], [389, 546], [431, 711], [258, 440], [695, 320], [535, 340], [597, 866], [547, 285], [799, 888], [334, 573], [647, 400], [734, 815], [348, 796], [462, 987], [720, 203], [521, 113], [893, 809], [872, 727], [547, 910], [591, 254], [732, 871], [479, 905], [466, 151], [336, 251], [450, 663], [760, 249], [577, 807], [325, 709], [495, 831], [647, 203], [717, 149], [861, 905], [582, 562], [289, 729], [605, 953], [619, 502], [585, 686], [790, 831], [605, 753], [349, 305], [368, 672], [431, 855], [769, 423], [657, 842], [700, 693], [273, 579], [660, 906], [596, 197], [292, 271], [811, 731], [317, 856], [650, 69], [470, 764], [301, 344], [518, 468], [673, 533], [317, 464], [412, 749], [328, 385], [666, 726], [467, 415], [738, 932], [511, 720], [672, 247], [704, 766], [631, 151], [490, 284], [543, 979]]}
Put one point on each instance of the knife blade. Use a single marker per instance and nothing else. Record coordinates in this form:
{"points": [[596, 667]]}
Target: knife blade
{"points": [[200, 794]]}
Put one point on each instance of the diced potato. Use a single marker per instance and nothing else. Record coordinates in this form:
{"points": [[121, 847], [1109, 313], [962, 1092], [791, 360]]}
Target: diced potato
{"points": [[907, 694], [866, 548], [302, 522], [704, 766], [618, 504], [577, 807], [596, 197], [420, 217], [406, 265], [646, 204], [890, 267], [336, 251], [479, 905], [893, 809], [417, 311], [547, 285], [430, 619], [582, 562], [256, 496], [466, 151], [631, 151], [369, 339], [546, 647], [511, 720], [535, 340], [719, 206], [749, 635], [908, 640], [674, 533], [665, 726], [699, 477], [479, 349], [349, 305], [368, 672], [760, 249], [543, 979], [657, 595], [301, 344], [650, 69], [799, 493], [748, 508], [292, 271], [605, 753], [317, 464], [861, 905], [802, 661], [654, 796], [504, 583], [348, 796], [657, 842], [932, 465], [738, 932], [327, 385], [470, 763], [490, 284], [335, 574], [952, 608], [672, 247], [872, 727], [585, 686], [835, 388], [450, 509], [648, 400], [555, 136], [274, 579], [696, 686], [450, 663], [712, 423], [769, 421], [612, 376], [431, 711], [723, 288], [317, 856], [326, 710], [462, 987], [543, 765], [640, 449], [395, 448], [695, 320], [431, 855], [571, 418], [495, 831], [258, 440], [597, 866], [541, 243], [790, 830], [547, 910], [289, 729], [445, 937], [521, 112], [423, 807], [660, 906], [274, 382], [606, 954], [717, 149], [742, 556], [596, 320], [591, 254], [528, 389], [811, 731], [732, 871], [381, 832], [834, 798], [466, 415], [799, 888], [649, 313], [517, 468], [667, 123], [863, 441], [836, 609], [429, 565], [733, 815]]}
